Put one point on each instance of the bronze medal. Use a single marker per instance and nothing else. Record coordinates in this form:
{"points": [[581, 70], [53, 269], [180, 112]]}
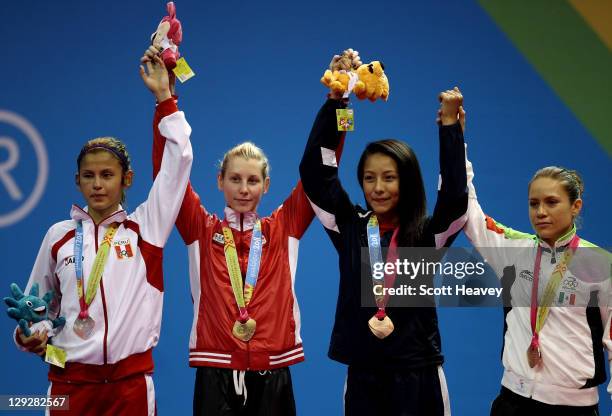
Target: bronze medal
{"points": [[381, 328], [244, 330], [84, 327], [534, 356]]}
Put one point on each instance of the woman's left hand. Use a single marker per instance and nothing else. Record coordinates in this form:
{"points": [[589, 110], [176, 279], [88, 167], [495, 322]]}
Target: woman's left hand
{"points": [[155, 77]]}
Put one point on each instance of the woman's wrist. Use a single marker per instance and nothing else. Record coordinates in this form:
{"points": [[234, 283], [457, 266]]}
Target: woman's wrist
{"points": [[163, 95]]}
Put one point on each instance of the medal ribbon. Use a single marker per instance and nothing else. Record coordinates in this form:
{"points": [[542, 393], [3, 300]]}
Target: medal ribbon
{"points": [[233, 267], [375, 252], [98, 266], [540, 313]]}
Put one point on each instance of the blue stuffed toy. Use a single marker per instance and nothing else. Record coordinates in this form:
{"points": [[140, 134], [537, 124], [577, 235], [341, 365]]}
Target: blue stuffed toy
{"points": [[31, 309]]}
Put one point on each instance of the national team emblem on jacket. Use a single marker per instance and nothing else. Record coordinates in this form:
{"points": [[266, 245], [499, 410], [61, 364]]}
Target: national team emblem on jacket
{"points": [[123, 248], [566, 298]]}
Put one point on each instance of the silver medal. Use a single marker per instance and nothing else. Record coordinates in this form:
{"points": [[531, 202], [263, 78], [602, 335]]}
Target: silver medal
{"points": [[84, 327]]}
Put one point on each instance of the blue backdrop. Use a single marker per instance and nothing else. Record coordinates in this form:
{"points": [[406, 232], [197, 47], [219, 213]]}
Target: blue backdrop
{"points": [[71, 70]]}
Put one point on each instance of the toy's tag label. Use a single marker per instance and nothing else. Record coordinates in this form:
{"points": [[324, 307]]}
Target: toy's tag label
{"points": [[165, 43], [353, 78], [182, 70], [55, 356], [346, 121]]}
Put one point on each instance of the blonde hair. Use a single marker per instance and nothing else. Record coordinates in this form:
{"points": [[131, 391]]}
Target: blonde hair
{"points": [[246, 150]]}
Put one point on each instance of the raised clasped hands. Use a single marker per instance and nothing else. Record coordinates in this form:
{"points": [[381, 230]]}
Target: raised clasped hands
{"points": [[349, 60], [451, 108]]}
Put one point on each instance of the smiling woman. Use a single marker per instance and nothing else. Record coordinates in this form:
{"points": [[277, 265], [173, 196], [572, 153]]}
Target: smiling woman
{"points": [[393, 354], [387, 170]]}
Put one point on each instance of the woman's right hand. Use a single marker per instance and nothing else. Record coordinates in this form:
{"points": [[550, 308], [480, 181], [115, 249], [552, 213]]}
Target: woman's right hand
{"points": [[36, 343]]}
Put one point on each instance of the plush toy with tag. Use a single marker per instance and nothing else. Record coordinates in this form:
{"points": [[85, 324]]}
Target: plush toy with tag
{"points": [[32, 312], [168, 37], [368, 81]]}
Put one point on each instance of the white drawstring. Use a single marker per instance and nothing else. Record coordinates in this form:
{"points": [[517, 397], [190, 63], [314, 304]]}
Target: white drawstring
{"points": [[239, 385]]}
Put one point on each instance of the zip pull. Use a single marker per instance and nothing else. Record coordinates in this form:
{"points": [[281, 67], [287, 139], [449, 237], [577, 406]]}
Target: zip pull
{"points": [[553, 259]]}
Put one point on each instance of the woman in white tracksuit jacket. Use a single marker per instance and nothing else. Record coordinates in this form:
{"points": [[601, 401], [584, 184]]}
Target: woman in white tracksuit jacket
{"points": [[552, 368], [108, 370]]}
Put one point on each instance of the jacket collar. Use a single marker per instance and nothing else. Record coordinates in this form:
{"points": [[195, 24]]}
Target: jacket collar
{"points": [[81, 214], [561, 241], [233, 219]]}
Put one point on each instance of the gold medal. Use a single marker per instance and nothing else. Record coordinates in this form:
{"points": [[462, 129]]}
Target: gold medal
{"points": [[534, 356], [244, 327], [244, 330], [381, 328]]}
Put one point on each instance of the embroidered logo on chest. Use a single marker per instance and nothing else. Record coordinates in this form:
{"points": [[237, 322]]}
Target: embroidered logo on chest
{"points": [[123, 248], [218, 238], [527, 275], [570, 283], [566, 298]]}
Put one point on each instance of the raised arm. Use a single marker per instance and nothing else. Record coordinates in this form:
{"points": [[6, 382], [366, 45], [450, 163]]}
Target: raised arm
{"points": [[158, 213], [319, 165], [449, 214], [319, 168], [191, 216], [491, 238]]}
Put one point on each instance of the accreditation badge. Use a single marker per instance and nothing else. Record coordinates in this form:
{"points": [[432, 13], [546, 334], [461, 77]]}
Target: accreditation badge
{"points": [[55, 356], [345, 119]]}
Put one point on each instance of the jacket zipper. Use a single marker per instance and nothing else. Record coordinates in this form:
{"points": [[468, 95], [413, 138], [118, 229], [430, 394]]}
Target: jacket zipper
{"points": [[103, 298], [241, 260], [240, 256], [105, 347], [105, 352]]}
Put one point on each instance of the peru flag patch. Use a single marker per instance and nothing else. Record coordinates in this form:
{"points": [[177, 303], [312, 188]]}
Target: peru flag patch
{"points": [[123, 248]]}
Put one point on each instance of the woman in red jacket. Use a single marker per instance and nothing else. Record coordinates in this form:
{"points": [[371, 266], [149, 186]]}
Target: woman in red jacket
{"points": [[246, 319]]}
